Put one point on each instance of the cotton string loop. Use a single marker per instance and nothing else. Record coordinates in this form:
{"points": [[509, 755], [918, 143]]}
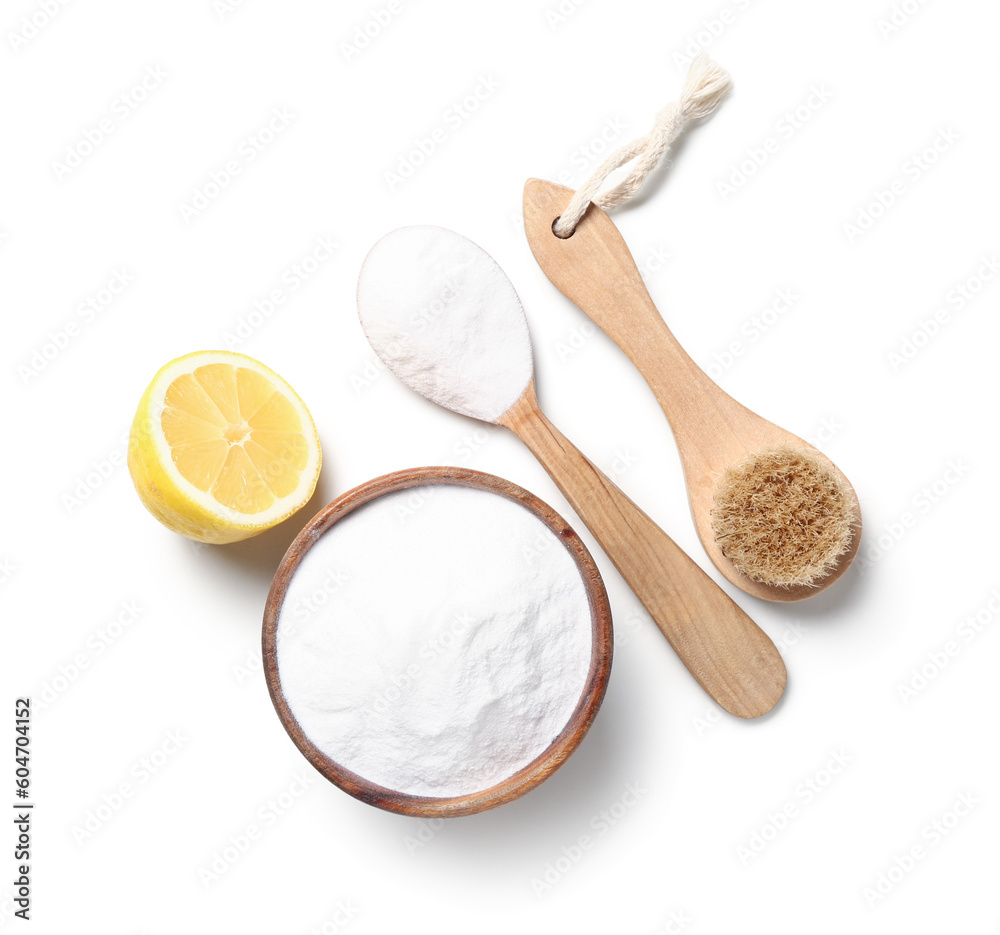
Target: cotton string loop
{"points": [[704, 88]]}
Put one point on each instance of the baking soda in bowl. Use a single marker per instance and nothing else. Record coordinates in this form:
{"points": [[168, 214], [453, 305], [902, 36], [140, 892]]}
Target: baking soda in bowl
{"points": [[435, 640]]}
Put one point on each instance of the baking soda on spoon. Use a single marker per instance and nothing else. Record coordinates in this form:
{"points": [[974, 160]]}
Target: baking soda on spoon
{"points": [[439, 315]]}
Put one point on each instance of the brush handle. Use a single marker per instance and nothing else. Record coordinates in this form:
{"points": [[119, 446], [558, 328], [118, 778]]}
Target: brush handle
{"points": [[595, 270], [726, 652]]}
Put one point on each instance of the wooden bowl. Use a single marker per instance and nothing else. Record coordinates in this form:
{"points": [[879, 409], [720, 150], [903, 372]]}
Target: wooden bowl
{"points": [[561, 747]]}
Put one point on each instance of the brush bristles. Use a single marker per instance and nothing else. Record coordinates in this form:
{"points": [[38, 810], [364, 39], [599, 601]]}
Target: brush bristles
{"points": [[783, 517]]}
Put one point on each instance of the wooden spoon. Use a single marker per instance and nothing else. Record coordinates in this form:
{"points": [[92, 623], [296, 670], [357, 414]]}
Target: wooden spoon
{"points": [[594, 269], [726, 652]]}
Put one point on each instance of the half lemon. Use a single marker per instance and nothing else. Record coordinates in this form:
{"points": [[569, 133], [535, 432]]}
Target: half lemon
{"points": [[222, 448]]}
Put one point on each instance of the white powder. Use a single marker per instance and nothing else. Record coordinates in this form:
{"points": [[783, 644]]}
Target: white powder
{"points": [[435, 640], [446, 320]]}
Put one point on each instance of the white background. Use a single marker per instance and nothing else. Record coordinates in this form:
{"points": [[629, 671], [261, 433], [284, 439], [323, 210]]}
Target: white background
{"points": [[698, 850]]}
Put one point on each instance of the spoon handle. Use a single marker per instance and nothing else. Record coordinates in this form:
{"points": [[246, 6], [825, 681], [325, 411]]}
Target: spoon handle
{"points": [[726, 652]]}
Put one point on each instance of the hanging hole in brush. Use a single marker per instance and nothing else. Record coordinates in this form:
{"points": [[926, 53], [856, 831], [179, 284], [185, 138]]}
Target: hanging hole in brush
{"points": [[561, 236]]}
